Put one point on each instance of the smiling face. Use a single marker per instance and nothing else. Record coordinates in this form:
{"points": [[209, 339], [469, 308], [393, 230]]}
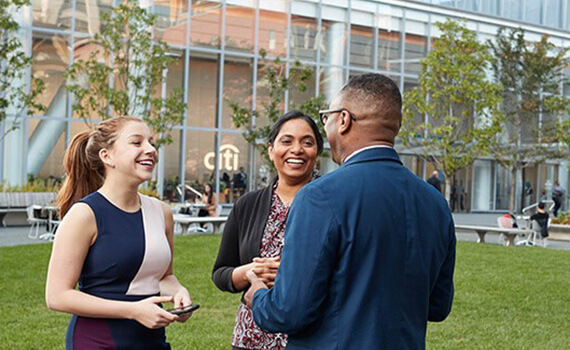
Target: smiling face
{"points": [[294, 151], [133, 153]]}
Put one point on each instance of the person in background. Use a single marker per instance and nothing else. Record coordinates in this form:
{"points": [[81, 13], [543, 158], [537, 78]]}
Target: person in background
{"points": [[435, 181], [240, 182], [113, 243], [557, 196], [369, 249], [541, 217], [210, 201], [227, 186], [254, 233]]}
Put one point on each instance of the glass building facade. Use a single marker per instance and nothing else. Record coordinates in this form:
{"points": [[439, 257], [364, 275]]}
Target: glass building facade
{"points": [[216, 46]]}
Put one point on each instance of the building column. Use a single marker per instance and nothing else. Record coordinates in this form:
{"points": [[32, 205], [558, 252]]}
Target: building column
{"points": [[518, 191], [14, 166], [336, 51], [333, 79], [46, 134]]}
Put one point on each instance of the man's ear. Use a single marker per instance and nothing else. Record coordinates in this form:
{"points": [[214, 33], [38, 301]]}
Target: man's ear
{"points": [[345, 122], [105, 157]]}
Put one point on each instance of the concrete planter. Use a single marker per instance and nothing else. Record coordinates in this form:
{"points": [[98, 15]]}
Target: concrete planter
{"points": [[559, 232], [13, 205], [25, 199]]}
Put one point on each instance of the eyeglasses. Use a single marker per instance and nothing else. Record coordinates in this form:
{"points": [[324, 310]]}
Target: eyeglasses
{"points": [[325, 114]]}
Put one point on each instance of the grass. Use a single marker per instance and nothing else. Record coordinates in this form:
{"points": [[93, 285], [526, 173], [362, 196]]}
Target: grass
{"points": [[506, 298]]}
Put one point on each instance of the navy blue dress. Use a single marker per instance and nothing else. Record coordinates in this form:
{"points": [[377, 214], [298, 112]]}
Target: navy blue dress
{"points": [[128, 259]]}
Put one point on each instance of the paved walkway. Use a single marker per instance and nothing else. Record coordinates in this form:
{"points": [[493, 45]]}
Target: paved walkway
{"points": [[18, 235]]}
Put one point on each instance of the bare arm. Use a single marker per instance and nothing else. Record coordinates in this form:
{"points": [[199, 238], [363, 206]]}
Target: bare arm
{"points": [[76, 233], [169, 284]]}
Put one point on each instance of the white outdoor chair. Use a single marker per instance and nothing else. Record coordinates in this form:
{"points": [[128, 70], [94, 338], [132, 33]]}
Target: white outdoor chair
{"points": [[536, 238], [50, 236], [208, 227], [35, 221], [196, 228]]}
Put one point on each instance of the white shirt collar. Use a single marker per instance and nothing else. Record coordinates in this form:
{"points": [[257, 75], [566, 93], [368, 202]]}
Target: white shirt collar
{"points": [[364, 149]]}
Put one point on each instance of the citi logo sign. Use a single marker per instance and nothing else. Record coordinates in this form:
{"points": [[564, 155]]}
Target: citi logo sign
{"points": [[229, 158]]}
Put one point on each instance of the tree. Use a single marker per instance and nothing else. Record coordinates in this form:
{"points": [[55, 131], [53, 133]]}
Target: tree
{"points": [[564, 135], [120, 77], [531, 74], [457, 101], [276, 82], [14, 64]]}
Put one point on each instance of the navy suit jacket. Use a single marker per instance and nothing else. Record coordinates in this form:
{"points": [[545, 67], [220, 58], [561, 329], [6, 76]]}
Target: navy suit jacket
{"points": [[368, 259]]}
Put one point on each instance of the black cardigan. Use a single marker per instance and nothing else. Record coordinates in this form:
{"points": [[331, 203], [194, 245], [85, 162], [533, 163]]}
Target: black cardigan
{"points": [[241, 240]]}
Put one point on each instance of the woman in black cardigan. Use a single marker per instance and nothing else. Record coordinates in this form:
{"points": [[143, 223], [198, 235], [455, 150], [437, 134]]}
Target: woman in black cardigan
{"points": [[253, 235]]}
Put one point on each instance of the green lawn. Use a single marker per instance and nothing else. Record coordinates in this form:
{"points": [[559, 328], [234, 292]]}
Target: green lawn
{"points": [[506, 298]]}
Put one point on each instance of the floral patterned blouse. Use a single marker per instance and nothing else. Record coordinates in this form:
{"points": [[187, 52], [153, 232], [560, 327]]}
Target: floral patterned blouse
{"points": [[247, 334]]}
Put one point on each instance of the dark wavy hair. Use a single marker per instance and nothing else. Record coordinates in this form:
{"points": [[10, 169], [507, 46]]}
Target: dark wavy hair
{"points": [[296, 115]]}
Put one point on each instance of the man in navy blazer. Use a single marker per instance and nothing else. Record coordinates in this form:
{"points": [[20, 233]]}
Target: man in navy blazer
{"points": [[369, 249]]}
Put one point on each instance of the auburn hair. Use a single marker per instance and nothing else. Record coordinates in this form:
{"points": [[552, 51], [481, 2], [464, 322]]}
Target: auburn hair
{"points": [[85, 172]]}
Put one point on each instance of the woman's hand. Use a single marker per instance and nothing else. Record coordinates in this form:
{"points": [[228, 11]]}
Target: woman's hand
{"points": [[149, 314], [266, 269], [182, 299], [256, 284]]}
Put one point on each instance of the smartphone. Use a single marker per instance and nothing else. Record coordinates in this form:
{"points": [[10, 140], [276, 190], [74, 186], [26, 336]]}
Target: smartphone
{"points": [[184, 310]]}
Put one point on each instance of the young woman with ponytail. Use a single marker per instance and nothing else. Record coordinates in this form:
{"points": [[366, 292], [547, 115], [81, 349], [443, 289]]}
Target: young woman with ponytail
{"points": [[114, 243]]}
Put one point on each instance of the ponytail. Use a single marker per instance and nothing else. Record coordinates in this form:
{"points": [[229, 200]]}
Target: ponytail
{"points": [[81, 178]]}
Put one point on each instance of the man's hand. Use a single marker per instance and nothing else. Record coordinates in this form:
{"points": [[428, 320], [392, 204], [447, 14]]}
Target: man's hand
{"points": [[256, 284], [266, 269]]}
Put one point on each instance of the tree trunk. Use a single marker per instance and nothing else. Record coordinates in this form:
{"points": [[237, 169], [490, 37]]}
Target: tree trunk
{"points": [[447, 190], [512, 197]]}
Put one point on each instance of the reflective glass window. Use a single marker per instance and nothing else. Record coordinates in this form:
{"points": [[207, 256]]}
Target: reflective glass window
{"points": [[503, 188], [206, 23], [533, 12], [512, 9], [482, 185], [297, 97], [303, 45], [234, 154], [554, 13], [490, 7], [389, 43], [415, 46], [54, 14], [334, 36], [361, 46], [263, 174], [262, 98], [171, 21], [203, 89], [331, 80], [238, 86], [273, 32], [175, 74], [46, 147], [50, 59], [88, 15], [200, 163], [171, 166], [240, 28]]}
